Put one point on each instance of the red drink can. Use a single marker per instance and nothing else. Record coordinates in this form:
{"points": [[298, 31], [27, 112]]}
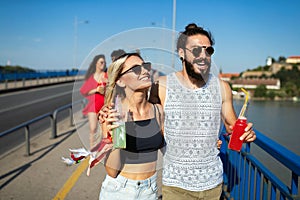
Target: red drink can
{"points": [[238, 129]]}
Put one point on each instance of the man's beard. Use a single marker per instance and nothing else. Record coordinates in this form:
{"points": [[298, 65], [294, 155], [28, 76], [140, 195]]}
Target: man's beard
{"points": [[191, 71]]}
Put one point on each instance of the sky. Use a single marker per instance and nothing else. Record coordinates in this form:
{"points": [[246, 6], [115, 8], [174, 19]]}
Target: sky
{"points": [[41, 34]]}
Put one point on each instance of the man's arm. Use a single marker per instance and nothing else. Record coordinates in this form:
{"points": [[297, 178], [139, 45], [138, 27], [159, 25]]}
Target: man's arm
{"points": [[228, 114]]}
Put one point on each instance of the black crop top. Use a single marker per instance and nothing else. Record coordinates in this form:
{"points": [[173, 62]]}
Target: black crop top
{"points": [[143, 139]]}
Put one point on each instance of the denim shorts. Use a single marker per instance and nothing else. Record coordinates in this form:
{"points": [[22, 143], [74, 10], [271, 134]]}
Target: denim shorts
{"points": [[127, 189]]}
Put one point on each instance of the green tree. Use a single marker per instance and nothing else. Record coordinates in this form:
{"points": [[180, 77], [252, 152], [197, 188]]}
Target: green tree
{"points": [[260, 91], [291, 89], [281, 59], [15, 69], [271, 94]]}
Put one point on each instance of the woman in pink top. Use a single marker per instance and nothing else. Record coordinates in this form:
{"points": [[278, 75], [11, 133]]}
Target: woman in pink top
{"points": [[94, 90]]}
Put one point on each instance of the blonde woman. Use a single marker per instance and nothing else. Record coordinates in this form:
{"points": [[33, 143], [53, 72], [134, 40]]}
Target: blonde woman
{"points": [[131, 172]]}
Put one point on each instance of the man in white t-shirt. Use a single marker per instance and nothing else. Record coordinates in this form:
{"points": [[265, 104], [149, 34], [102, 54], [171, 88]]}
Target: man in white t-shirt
{"points": [[194, 101]]}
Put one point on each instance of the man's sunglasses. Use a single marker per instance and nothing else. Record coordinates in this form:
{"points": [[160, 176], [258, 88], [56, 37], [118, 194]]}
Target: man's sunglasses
{"points": [[137, 69], [197, 50]]}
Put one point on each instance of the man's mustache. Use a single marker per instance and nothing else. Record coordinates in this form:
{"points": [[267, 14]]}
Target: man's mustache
{"points": [[206, 61]]}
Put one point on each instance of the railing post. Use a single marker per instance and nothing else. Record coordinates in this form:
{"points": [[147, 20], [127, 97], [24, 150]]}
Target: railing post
{"points": [[265, 189], [27, 140], [6, 83], [53, 125], [294, 185], [71, 116]]}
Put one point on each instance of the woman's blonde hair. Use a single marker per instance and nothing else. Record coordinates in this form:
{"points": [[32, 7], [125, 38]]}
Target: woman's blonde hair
{"points": [[113, 72]]}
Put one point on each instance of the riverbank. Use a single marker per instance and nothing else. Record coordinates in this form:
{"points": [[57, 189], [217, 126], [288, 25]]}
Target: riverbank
{"points": [[288, 99]]}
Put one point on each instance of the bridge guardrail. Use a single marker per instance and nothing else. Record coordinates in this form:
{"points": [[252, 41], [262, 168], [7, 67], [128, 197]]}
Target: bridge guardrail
{"points": [[245, 177], [53, 118]]}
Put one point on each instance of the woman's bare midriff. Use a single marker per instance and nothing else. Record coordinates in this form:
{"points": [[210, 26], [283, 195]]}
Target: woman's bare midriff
{"points": [[138, 171]]}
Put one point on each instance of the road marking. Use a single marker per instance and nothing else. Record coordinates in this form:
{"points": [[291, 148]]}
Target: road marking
{"points": [[71, 181], [34, 102]]}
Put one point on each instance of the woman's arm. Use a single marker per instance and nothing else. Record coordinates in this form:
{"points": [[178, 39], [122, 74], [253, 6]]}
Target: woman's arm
{"points": [[113, 163], [90, 86]]}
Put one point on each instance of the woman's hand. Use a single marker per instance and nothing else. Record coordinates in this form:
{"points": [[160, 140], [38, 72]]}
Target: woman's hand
{"points": [[108, 115], [100, 89], [219, 143], [103, 113]]}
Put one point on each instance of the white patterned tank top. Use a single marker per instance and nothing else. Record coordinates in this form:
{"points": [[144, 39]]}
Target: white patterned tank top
{"points": [[191, 129]]}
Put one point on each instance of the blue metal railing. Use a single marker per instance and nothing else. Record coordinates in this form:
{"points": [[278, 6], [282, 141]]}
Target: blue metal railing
{"points": [[38, 75], [245, 177], [53, 117]]}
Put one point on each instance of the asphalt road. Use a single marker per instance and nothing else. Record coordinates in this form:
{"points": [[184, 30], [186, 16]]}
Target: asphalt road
{"points": [[22, 106]]}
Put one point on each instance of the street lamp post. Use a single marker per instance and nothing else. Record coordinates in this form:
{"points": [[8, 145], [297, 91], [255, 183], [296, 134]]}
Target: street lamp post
{"points": [[76, 22], [173, 33]]}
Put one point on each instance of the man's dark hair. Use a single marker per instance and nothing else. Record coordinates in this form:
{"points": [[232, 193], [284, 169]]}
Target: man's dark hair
{"points": [[192, 29], [117, 53]]}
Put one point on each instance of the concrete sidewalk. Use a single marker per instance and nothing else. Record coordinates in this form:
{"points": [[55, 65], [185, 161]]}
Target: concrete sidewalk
{"points": [[43, 175]]}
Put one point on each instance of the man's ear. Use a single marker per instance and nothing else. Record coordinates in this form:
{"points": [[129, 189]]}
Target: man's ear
{"points": [[120, 83], [181, 54]]}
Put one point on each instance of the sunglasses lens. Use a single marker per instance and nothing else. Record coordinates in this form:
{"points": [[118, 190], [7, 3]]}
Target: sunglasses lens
{"points": [[137, 69], [196, 51], [147, 66], [210, 50]]}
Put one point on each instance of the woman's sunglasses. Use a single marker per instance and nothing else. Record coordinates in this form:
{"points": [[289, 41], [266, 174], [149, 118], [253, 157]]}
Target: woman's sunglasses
{"points": [[137, 69], [197, 50]]}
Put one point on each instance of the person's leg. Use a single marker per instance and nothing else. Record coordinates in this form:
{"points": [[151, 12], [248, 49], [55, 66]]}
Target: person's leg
{"points": [[93, 123], [174, 193], [213, 194]]}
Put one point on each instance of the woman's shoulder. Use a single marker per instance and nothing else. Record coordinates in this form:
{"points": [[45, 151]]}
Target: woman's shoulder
{"points": [[90, 78], [158, 107]]}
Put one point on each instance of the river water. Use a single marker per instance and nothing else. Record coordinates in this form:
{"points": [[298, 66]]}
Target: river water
{"points": [[279, 121]]}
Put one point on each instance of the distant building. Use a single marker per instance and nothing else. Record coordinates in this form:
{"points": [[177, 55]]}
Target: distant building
{"points": [[270, 83], [276, 67], [228, 76], [251, 79], [287, 65], [256, 74], [293, 60], [269, 61]]}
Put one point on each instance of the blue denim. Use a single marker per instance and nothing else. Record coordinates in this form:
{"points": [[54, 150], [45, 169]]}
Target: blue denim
{"points": [[127, 189]]}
